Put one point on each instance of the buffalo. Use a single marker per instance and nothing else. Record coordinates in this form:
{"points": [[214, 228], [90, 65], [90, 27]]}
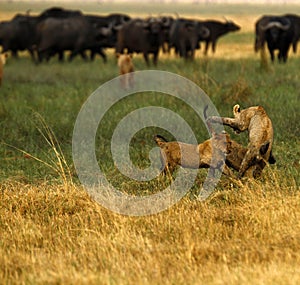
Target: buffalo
{"points": [[168, 22], [75, 34], [185, 36], [142, 36], [216, 30], [20, 32], [277, 32], [24, 32], [115, 21]]}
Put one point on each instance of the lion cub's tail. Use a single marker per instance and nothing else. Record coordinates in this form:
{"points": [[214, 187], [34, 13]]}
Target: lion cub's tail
{"points": [[160, 140], [272, 159], [209, 126], [263, 149]]}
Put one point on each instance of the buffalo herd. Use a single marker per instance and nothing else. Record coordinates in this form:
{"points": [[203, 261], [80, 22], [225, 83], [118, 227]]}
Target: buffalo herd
{"points": [[57, 30]]}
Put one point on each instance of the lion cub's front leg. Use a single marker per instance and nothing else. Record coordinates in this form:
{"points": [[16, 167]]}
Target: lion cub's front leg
{"points": [[237, 123], [231, 122]]}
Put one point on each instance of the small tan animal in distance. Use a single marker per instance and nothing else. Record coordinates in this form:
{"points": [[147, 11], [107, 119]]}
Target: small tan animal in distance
{"points": [[3, 57], [260, 133], [126, 68]]}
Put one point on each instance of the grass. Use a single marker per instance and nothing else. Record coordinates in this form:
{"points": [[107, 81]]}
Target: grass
{"points": [[52, 232], [55, 235]]}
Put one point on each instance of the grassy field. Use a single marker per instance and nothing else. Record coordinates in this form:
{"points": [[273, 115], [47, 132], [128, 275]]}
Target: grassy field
{"points": [[52, 232]]}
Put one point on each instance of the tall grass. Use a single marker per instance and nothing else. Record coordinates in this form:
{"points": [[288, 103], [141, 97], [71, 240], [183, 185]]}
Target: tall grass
{"points": [[52, 232], [55, 160]]}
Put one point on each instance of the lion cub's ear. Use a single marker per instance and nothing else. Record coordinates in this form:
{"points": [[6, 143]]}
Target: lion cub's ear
{"points": [[236, 109]]}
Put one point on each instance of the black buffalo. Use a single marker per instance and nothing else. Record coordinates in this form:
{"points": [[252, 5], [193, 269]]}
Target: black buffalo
{"points": [[20, 32], [115, 21], [185, 36], [168, 22], [277, 32], [75, 34], [142, 36], [217, 29]]}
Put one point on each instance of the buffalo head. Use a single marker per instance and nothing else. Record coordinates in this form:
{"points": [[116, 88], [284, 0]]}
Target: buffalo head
{"points": [[276, 27], [153, 25], [231, 26]]}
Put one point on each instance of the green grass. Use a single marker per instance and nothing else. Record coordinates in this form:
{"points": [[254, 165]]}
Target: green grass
{"points": [[57, 91]]}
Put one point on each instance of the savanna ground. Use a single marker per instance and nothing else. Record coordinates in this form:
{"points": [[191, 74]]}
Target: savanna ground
{"points": [[52, 232]]}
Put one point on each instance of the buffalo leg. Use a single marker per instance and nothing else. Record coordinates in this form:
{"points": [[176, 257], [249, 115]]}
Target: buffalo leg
{"points": [[41, 55], [182, 50], [192, 54], [295, 43], [206, 47], [32, 54], [272, 55], [146, 57], [76, 52], [155, 56], [14, 53], [100, 52], [214, 44], [61, 56], [284, 53]]}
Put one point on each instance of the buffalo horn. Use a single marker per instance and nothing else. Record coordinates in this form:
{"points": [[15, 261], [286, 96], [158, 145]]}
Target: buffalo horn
{"points": [[276, 24]]}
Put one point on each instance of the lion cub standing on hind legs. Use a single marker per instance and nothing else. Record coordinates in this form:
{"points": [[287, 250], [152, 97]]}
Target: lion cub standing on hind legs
{"points": [[260, 129], [126, 68]]}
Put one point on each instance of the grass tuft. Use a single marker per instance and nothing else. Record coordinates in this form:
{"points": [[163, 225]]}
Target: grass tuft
{"points": [[55, 159]]}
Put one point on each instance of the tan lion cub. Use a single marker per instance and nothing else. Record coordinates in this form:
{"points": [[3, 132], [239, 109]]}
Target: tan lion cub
{"points": [[236, 155], [199, 156], [3, 57], [175, 153], [126, 68], [260, 129]]}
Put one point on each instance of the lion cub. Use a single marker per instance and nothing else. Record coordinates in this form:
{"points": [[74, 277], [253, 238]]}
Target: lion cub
{"points": [[236, 154], [3, 57], [126, 68], [175, 153], [200, 156], [260, 133]]}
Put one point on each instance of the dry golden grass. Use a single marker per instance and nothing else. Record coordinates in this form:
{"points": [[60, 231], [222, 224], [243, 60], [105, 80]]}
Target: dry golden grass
{"points": [[58, 235]]}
